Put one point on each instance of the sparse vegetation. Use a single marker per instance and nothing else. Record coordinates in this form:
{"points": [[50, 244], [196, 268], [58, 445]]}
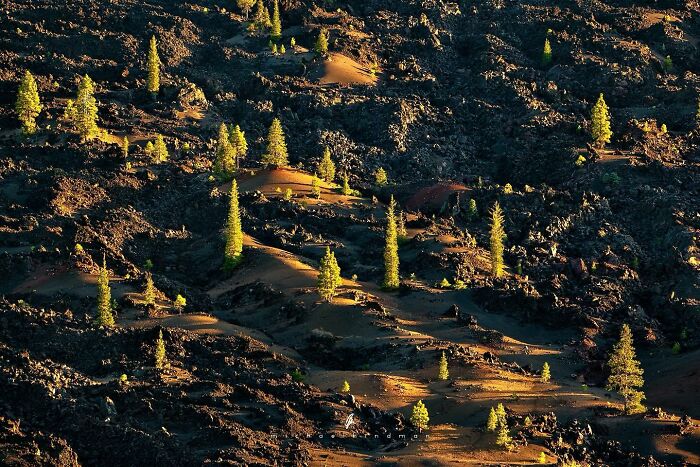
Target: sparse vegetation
{"points": [[380, 177], [321, 46], [149, 292], [545, 375], [547, 53], [276, 27], [159, 352], [225, 162], [82, 113], [492, 421], [345, 388], [160, 150]]}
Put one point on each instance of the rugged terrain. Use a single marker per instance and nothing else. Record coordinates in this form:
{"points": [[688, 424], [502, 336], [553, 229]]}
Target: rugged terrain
{"points": [[451, 98]]}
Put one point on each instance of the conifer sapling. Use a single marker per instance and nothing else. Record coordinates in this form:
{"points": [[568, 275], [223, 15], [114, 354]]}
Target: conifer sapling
{"points": [[380, 177], [546, 375], [315, 186], [600, 123], [149, 293], [276, 29], [321, 46], [345, 387], [326, 168], [419, 416], [626, 372], [443, 373], [391, 249], [547, 53], [328, 276], [153, 82], [159, 351], [104, 298], [496, 240], [225, 161], [238, 141], [234, 231], [492, 421], [276, 154], [28, 105], [160, 150]]}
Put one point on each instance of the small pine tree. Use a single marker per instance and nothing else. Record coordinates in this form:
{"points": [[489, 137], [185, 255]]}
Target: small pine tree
{"points": [[159, 352], [104, 298], [542, 458], [668, 64], [492, 421], [321, 45], [328, 276], [273, 48], [326, 168], [282, 49], [276, 29], [149, 293], [545, 376], [153, 83], [527, 422], [260, 22], [225, 162], [345, 190], [626, 372], [28, 105], [443, 373], [315, 186], [345, 387], [380, 177], [148, 149], [600, 123], [391, 249], [501, 414], [419, 416], [503, 437], [293, 42], [238, 141], [234, 231], [497, 236], [547, 53], [125, 147], [160, 150], [180, 302], [245, 6], [472, 211], [83, 111], [288, 194], [401, 225], [276, 155]]}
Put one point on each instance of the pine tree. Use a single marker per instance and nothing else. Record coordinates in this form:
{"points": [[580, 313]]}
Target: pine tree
{"points": [[503, 437], [542, 458], [83, 111], [260, 22], [345, 387], [419, 416], [497, 236], [104, 298], [345, 190], [28, 105], [276, 29], [153, 84], [501, 414], [492, 421], [668, 64], [472, 211], [125, 147], [159, 353], [234, 231], [547, 53], [328, 276], [149, 293], [276, 155], [545, 376], [626, 372], [391, 249], [443, 373], [380, 177], [180, 303], [238, 141], [321, 46], [225, 162], [401, 225], [245, 6], [600, 123], [160, 150], [148, 149], [326, 168], [315, 186]]}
